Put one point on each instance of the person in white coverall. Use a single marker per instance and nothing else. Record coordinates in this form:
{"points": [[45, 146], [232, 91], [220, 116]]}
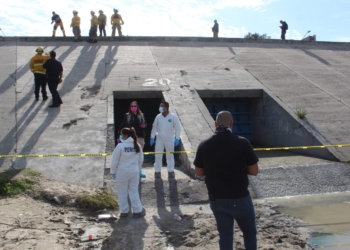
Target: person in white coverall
{"points": [[126, 164], [167, 127]]}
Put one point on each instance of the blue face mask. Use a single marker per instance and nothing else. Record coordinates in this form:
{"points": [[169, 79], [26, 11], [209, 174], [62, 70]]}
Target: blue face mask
{"points": [[121, 138], [161, 109]]}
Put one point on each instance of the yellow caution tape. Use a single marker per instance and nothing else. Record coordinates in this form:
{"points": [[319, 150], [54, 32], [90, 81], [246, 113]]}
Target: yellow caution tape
{"points": [[335, 246], [175, 152]]}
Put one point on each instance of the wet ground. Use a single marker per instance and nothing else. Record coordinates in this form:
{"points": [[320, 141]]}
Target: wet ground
{"points": [[326, 214]]}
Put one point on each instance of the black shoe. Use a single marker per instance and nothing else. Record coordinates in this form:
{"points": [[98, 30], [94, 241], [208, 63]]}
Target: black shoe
{"points": [[75, 40], [54, 106], [140, 214], [89, 41], [171, 175], [124, 215], [94, 41], [157, 175], [45, 98], [36, 98]]}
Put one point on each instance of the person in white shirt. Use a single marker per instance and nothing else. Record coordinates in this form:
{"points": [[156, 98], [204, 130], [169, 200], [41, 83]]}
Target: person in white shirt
{"points": [[167, 127], [126, 164]]}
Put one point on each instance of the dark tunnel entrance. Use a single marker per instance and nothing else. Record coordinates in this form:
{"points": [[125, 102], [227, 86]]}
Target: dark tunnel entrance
{"points": [[149, 108]]}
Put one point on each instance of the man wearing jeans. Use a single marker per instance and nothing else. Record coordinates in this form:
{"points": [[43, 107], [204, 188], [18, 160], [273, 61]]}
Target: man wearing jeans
{"points": [[226, 160]]}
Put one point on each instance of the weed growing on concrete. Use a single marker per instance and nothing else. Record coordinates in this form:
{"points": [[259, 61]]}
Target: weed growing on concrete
{"points": [[14, 182], [97, 201], [300, 112]]}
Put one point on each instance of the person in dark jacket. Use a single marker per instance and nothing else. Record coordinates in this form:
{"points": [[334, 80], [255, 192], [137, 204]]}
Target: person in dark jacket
{"points": [[134, 118], [284, 28], [215, 29], [54, 72]]}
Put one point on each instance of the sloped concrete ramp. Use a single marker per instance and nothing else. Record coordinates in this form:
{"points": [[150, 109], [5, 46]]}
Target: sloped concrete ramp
{"points": [[281, 76]]}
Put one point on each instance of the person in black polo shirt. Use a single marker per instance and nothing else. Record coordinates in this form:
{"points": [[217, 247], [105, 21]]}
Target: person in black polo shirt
{"points": [[54, 72], [226, 160]]}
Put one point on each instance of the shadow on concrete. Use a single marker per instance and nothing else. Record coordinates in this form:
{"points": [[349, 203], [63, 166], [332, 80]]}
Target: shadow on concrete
{"points": [[29, 145], [14, 133], [320, 59], [105, 65], [76, 73]]}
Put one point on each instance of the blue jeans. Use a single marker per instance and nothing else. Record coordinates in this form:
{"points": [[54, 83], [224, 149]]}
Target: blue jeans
{"points": [[241, 210]]}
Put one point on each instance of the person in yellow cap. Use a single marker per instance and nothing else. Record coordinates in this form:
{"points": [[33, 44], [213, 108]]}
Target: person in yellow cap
{"points": [[58, 22], [102, 20], [93, 28], [76, 26], [36, 66], [117, 21]]}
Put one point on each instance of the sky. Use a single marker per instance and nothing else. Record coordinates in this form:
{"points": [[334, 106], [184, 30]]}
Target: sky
{"points": [[329, 20]]}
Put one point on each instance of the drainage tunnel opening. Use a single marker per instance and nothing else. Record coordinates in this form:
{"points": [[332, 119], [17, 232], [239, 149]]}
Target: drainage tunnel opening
{"points": [[240, 110], [149, 108]]}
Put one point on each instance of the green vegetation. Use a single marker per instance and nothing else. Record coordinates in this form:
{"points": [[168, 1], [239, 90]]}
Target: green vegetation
{"points": [[97, 201], [300, 112], [255, 36], [13, 182]]}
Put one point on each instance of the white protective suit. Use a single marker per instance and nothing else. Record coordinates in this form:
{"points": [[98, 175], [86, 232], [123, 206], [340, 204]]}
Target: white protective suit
{"points": [[167, 129], [127, 164]]}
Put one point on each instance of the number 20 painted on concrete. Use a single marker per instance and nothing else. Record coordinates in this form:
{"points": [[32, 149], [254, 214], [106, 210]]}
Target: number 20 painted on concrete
{"points": [[153, 82]]}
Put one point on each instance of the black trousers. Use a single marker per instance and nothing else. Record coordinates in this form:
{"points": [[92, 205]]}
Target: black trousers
{"points": [[40, 82], [93, 33], [56, 99], [283, 35], [101, 27]]}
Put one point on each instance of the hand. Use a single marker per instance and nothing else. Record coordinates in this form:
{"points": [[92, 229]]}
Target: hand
{"points": [[176, 142], [118, 140], [114, 176], [143, 125], [151, 142]]}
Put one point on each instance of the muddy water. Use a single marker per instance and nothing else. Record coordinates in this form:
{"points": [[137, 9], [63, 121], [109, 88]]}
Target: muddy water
{"points": [[327, 214]]}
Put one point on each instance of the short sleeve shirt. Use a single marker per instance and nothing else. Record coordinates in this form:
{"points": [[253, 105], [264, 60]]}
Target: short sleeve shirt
{"points": [[225, 158], [56, 18], [53, 69]]}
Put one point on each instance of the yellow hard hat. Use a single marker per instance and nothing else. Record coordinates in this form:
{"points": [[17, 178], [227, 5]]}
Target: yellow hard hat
{"points": [[75, 12], [39, 50], [92, 12]]}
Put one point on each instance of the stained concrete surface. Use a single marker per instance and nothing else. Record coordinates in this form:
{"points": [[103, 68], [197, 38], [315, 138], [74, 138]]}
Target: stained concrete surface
{"points": [[313, 76]]}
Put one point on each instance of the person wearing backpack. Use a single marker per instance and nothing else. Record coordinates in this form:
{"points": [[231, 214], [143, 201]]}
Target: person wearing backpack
{"points": [[284, 29]]}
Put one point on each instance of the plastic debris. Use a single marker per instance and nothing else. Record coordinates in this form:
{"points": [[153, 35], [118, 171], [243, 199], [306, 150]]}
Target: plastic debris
{"points": [[90, 237], [103, 217], [177, 217]]}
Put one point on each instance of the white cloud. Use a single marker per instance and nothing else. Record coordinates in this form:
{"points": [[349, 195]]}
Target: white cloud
{"points": [[142, 18]]}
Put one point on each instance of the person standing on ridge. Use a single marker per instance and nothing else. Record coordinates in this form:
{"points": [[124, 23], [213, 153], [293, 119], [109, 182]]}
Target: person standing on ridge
{"points": [[36, 66], [117, 21], [215, 29], [226, 160], [58, 22], [54, 73], [93, 28], [284, 29], [102, 21], [76, 26], [167, 127]]}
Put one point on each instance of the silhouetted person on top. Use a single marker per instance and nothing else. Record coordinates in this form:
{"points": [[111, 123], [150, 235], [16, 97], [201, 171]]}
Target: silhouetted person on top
{"points": [[215, 29], [284, 28]]}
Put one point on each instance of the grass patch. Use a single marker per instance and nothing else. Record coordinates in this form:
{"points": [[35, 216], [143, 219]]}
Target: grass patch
{"points": [[13, 182], [300, 112], [97, 201]]}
